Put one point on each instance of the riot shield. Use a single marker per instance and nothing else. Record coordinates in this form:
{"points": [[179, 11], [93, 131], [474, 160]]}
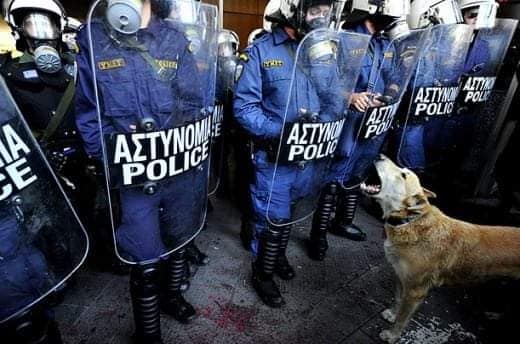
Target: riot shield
{"points": [[366, 131], [424, 137], [227, 62], [154, 98], [42, 242], [327, 65], [471, 128]]}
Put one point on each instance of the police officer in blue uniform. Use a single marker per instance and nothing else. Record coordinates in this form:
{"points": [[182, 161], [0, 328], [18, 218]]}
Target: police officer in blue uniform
{"points": [[25, 273], [416, 137], [458, 131], [259, 107], [41, 82], [479, 53], [377, 77], [147, 78], [39, 248]]}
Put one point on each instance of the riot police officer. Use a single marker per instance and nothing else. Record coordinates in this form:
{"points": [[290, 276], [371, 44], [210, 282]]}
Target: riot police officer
{"points": [[478, 14], [42, 82], [244, 167], [421, 143], [457, 131], [384, 22], [40, 247], [148, 83], [259, 105]]}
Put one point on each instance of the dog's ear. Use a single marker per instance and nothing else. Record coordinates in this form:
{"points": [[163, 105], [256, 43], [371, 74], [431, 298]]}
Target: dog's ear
{"points": [[428, 193]]}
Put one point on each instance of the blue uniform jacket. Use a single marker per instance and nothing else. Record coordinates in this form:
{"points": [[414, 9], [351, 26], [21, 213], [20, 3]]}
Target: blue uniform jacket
{"points": [[263, 90], [376, 74], [478, 57], [129, 87], [378, 64]]}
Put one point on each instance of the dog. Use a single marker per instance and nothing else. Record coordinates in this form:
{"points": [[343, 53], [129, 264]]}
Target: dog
{"points": [[427, 248]]}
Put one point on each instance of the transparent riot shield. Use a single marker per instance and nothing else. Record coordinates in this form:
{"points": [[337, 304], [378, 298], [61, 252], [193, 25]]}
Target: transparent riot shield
{"points": [[327, 65], [154, 97], [42, 242], [424, 138], [472, 126], [227, 62], [388, 73]]}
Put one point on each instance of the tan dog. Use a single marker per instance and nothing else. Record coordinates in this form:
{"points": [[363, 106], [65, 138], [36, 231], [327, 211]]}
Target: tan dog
{"points": [[428, 249]]}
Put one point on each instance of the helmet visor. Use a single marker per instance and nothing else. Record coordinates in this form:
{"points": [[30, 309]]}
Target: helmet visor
{"points": [[40, 26], [226, 49], [443, 12], [185, 11], [482, 16], [394, 8], [315, 15]]}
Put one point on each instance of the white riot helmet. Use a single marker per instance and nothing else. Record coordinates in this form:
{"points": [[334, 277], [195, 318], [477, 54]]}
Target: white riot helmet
{"points": [[17, 8], [124, 16], [391, 14], [38, 25], [484, 11], [304, 15], [228, 43], [271, 8], [426, 13], [254, 35], [390, 8]]}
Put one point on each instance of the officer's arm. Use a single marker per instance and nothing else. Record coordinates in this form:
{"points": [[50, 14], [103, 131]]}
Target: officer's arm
{"points": [[85, 100], [332, 99], [247, 101], [190, 89]]}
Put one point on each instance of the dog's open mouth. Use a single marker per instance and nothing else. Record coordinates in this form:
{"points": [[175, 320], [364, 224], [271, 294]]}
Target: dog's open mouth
{"points": [[372, 185]]}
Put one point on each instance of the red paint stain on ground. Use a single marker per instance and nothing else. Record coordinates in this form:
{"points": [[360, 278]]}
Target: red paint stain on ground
{"points": [[228, 315]]}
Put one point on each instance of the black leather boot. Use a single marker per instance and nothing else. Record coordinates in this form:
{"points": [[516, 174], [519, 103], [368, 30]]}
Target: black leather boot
{"points": [[246, 233], [34, 326], [173, 303], [345, 212], [317, 244], [195, 255], [144, 290], [264, 266], [283, 268]]}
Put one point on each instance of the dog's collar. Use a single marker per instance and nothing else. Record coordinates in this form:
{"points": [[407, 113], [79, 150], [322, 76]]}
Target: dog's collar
{"points": [[401, 221]]}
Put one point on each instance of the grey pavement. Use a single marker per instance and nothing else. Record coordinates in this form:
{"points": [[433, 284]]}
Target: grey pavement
{"points": [[334, 301]]}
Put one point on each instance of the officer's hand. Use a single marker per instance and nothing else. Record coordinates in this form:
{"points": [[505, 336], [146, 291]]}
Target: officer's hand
{"points": [[377, 100], [360, 101]]}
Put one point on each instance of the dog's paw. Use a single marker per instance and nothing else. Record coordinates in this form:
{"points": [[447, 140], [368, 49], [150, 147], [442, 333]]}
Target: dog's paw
{"points": [[389, 315], [388, 337]]}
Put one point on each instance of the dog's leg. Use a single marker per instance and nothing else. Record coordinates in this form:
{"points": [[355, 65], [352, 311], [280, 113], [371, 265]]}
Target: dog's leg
{"points": [[411, 299], [390, 314]]}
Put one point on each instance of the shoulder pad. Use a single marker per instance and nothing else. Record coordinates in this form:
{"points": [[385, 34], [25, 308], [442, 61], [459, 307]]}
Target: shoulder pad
{"points": [[244, 56], [265, 36]]}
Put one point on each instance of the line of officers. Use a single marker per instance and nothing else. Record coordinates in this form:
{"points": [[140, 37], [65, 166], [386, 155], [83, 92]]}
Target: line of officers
{"points": [[92, 95]]}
